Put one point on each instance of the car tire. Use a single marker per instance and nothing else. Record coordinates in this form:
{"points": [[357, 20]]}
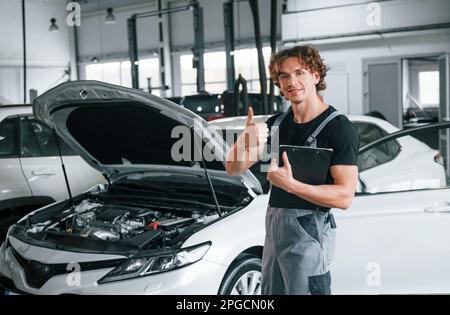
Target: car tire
{"points": [[243, 277]]}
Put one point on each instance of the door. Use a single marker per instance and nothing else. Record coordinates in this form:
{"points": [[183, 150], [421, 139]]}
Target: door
{"points": [[383, 89], [13, 184], [395, 236], [41, 163]]}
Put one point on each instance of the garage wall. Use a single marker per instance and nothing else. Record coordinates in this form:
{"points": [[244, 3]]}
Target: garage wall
{"points": [[108, 41], [183, 34], [345, 55], [345, 42], [361, 18], [45, 50], [97, 39], [346, 58]]}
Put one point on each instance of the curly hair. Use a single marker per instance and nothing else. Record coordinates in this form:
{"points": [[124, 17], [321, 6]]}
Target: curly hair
{"points": [[307, 55]]}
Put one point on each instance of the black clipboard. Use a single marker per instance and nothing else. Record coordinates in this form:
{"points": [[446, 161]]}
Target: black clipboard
{"points": [[310, 166]]}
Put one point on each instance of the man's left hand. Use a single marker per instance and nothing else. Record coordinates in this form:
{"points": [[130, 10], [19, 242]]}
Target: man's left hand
{"points": [[281, 176]]}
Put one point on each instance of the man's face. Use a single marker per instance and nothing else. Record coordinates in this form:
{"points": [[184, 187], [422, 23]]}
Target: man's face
{"points": [[297, 83]]}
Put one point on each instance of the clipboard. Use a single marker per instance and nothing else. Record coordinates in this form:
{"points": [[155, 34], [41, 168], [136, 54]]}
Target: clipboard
{"points": [[310, 166]]}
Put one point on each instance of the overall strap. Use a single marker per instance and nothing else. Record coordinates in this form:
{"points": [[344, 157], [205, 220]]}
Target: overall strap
{"points": [[274, 131], [280, 118], [311, 141]]}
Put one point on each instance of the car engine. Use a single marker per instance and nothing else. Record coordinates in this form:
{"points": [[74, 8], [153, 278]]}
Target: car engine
{"points": [[112, 222]]}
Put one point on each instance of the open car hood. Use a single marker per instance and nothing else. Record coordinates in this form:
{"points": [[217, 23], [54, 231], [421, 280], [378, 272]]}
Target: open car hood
{"points": [[117, 129]]}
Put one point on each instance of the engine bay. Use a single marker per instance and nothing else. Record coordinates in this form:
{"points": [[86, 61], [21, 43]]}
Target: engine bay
{"points": [[138, 226]]}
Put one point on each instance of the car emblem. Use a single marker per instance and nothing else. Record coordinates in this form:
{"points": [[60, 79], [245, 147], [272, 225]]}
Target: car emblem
{"points": [[83, 94]]}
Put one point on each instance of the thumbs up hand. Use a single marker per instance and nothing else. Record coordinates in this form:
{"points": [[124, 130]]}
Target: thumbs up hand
{"points": [[249, 117], [256, 134]]}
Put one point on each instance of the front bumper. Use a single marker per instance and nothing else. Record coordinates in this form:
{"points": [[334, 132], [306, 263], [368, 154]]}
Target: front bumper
{"points": [[202, 277]]}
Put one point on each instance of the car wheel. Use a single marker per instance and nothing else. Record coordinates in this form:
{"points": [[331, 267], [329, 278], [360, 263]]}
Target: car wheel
{"points": [[243, 277]]}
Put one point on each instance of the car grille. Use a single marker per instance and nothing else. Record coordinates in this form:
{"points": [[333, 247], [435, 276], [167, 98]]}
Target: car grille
{"points": [[37, 274]]}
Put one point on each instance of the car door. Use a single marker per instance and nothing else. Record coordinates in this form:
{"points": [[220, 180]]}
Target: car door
{"points": [[395, 239], [41, 163], [13, 184]]}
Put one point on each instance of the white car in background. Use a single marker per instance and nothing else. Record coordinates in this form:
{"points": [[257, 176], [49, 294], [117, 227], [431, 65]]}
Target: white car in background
{"points": [[4, 101], [166, 227], [30, 166], [406, 163]]}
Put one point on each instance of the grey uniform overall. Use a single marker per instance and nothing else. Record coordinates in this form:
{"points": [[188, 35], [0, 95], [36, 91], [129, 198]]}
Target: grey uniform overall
{"points": [[299, 243]]}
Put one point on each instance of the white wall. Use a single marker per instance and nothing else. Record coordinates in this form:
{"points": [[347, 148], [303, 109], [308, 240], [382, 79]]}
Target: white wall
{"points": [[346, 58], [345, 55], [300, 5], [361, 18], [48, 53]]}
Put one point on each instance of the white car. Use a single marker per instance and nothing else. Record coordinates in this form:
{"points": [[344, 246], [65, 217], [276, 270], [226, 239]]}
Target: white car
{"points": [[167, 227], [30, 166], [4, 101], [405, 163]]}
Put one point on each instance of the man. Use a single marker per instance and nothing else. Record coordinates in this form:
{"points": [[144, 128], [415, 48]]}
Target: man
{"points": [[299, 243]]}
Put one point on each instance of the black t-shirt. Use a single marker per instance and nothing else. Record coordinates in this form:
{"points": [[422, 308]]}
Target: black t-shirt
{"points": [[339, 134]]}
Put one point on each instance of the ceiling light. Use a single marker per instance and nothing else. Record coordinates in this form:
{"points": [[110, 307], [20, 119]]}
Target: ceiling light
{"points": [[110, 18], [53, 27]]}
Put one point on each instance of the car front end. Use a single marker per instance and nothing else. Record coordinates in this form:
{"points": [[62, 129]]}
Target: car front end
{"points": [[130, 236]]}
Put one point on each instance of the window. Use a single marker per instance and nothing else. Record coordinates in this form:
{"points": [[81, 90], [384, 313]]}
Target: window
{"points": [[109, 72], [378, 155], [368, 132], [406, 163], [8, 138], [119, 73], [188, 76], [246, 63], [429, 88], [149, 69], [39, 140]]}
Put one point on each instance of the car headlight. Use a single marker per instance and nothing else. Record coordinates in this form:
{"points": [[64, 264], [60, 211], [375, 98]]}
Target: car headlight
{"points": [[143, 266]]}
